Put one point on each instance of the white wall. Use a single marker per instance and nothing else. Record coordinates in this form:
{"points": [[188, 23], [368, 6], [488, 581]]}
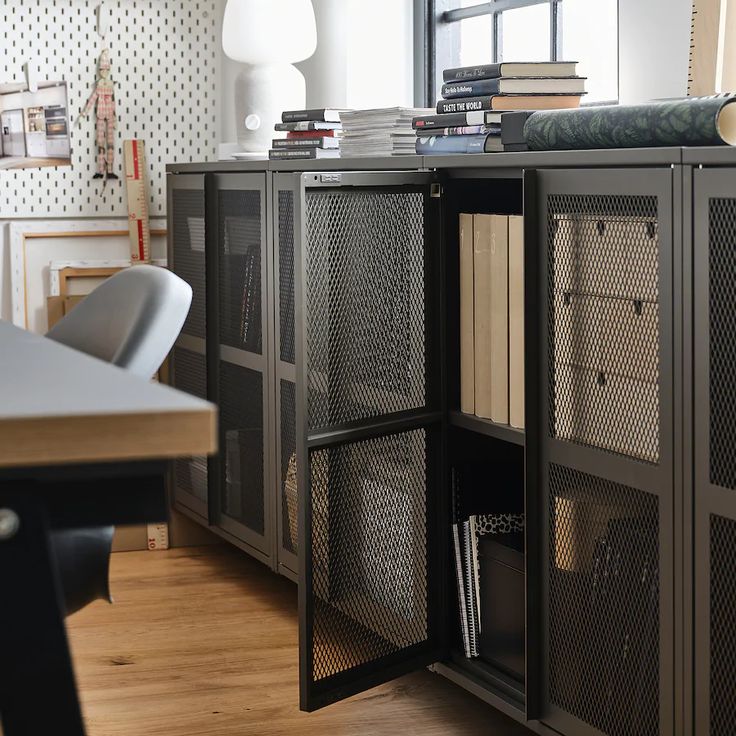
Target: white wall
{"points": [[365, 54], [326, 71], [654, 43], [380, 59]]}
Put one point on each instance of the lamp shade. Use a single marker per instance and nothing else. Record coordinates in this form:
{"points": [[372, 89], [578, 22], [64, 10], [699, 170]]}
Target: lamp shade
{"points": [[269, 31]]}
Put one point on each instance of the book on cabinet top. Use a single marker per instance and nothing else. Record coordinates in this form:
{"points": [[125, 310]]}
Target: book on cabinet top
{"points": [[303, 153], [449, 120], [306, 125], [511, 69], [322, 115], [515, 86], [508, 103]]}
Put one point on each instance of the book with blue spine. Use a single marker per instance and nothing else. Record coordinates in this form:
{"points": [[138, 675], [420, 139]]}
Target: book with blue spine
{"points": [[428, 145]]}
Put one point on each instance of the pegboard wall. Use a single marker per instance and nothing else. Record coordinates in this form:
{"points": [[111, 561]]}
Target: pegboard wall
{"points": [[165, 65]]}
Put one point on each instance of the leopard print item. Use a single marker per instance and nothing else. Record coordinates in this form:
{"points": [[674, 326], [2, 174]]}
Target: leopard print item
{"points": [[499, 523]]}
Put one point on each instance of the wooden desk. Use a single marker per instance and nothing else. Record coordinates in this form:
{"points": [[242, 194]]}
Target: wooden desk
{"points": [[60, 406], [82, 444]]}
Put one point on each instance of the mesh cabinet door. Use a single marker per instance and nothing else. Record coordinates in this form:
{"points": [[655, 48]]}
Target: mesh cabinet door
{"points": [[369, 429], [714, 445], [286, 208], [237, 223], [186, 258], [604, 434]]}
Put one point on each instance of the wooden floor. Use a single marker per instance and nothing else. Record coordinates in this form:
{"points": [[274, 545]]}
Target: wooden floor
{"points": [[203, 642]]}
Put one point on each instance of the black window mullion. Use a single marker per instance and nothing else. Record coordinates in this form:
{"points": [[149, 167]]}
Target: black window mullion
{"points": [[555, 30], [497, 37]]}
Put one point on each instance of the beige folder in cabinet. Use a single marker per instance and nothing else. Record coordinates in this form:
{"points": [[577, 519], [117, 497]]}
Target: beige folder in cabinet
{"points": [[482, 227], [500, 319], [467, 348], [516, 321]]}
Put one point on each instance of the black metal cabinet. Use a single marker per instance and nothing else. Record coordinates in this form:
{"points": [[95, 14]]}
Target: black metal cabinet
{"points": [[605, 451], [218, 244], [714, 442], [334, 401], [372, 558], [188, 362]]}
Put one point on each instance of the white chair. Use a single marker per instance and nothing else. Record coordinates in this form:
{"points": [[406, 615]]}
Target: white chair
{"points": [[131, 320]]}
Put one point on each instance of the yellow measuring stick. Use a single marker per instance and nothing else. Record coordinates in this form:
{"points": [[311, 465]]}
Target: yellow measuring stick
{"points": [[139, 224]]}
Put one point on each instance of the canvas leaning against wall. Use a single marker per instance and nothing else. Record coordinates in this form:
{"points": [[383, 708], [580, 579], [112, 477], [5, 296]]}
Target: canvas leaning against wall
{"points": [[34, 126]]}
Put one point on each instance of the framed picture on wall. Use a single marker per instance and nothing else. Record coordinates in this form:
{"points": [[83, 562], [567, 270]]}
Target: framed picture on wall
{"points": [[34, 126]]}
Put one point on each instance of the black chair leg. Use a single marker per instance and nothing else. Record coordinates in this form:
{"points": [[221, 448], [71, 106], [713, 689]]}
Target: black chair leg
{"points": [[83, 560]]}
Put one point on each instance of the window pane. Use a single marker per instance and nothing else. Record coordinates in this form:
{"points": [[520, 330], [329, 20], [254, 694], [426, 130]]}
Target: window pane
{"points": [[525, 34], [476, 40], [596, 51], [367, 72]]}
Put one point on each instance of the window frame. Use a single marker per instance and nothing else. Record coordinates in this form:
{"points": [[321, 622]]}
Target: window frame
{"points": [[496, 8], [437, 36]]}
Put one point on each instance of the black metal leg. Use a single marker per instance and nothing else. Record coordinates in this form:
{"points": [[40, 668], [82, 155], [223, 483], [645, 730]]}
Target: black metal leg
{"points": [[37, 690]]}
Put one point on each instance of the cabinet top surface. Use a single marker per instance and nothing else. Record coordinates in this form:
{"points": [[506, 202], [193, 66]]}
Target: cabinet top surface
{"points": [[710, 155], [509, 160], [58, 405]]}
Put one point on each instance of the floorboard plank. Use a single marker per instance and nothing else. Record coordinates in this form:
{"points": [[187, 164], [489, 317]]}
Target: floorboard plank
{"points": [[203, 642]]}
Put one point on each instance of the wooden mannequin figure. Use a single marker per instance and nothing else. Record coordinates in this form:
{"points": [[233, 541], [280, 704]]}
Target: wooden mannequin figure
{"points": [[103, 100]]}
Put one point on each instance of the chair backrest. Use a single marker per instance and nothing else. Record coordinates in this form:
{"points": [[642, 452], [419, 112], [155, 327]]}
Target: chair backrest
{"points": [[131, 320]]}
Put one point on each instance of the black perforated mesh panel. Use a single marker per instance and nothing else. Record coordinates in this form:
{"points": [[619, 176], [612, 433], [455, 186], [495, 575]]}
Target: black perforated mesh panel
{"points": [[241, 421], [369, 551], [722, 630], [722, 261], [190, 376], [239, 214], [603, 634], [288, 466], [604, 323], [187, 223], [366, 304], [286, 275]]}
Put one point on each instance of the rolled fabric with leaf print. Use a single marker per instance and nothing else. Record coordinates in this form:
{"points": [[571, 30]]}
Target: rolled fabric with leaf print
{"points": [[695, 121]]}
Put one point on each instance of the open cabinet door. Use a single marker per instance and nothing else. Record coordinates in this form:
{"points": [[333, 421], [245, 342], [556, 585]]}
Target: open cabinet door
{"points": [[372, 528]]}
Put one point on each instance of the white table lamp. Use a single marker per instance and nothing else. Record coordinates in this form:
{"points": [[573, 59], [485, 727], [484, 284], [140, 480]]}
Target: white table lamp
{"points": [[269, 36]]}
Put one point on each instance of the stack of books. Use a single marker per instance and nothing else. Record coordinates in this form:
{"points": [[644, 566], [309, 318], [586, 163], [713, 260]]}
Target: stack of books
{"points": [[468, 536], [309, 134], [473, 116], [381, 132], [492, 317]]}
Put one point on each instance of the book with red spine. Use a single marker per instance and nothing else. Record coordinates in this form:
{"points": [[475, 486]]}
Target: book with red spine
{"points": [[296, 134]]}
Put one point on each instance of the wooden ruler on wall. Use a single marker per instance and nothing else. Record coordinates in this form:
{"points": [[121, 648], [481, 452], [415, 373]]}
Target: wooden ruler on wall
{"points": [[712, 67], [137, 190]]}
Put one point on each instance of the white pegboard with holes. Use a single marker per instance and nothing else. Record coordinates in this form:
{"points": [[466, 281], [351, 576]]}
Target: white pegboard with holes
{"points": [[165, 64]]}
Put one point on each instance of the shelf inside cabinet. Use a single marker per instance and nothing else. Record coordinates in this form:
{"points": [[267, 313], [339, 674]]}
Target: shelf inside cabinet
{"points": [[487, 427], [479, 680], [486, 672]]}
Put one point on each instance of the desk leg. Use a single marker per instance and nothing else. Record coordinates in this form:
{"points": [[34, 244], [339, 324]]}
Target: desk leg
{"points": [[37, 690]]}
